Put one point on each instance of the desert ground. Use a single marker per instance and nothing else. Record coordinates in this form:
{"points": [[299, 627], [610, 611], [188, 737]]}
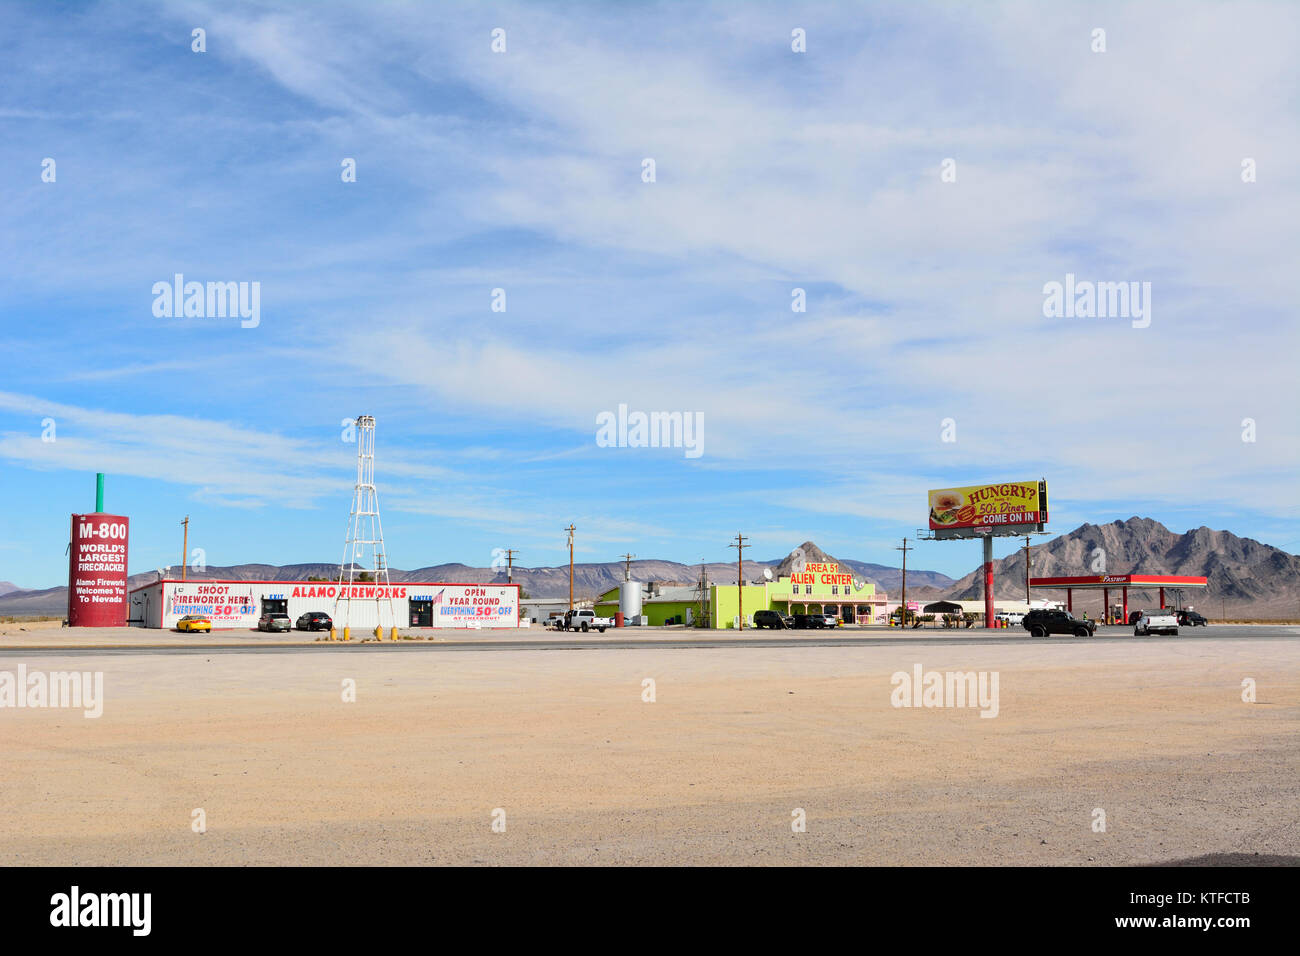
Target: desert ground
{"points": [[583, 770]]}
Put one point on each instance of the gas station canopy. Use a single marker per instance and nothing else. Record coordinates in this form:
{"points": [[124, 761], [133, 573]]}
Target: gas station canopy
{"points": [[1104, 582], [1095, 581]]}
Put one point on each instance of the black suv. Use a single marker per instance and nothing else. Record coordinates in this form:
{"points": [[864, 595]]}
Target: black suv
{"points": [[1191, 619], [805, 622], [773, 619], [314, 621], [1041, 622]]}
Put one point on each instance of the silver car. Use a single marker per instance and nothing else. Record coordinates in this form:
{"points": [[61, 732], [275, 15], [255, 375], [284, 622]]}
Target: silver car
{"points": [[274, 622]]}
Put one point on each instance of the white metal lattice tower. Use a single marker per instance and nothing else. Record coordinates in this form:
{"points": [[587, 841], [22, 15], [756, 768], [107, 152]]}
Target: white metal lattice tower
{"points": [[364, 549]]}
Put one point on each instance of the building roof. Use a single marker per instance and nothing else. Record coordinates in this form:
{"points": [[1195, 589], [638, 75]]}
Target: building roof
{"points": [[1097, 581], [942, 607], [327, 584], [975, 607], [676, 594]]}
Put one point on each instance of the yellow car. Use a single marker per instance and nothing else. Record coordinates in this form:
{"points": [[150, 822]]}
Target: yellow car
{"points": [[194, 622]]}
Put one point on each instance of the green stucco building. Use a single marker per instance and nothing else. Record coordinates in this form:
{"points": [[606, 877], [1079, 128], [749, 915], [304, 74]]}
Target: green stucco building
{"points": [[820, 588]]}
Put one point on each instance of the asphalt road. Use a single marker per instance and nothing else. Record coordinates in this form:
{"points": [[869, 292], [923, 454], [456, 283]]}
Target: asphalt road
{"points": [[777, 639]]}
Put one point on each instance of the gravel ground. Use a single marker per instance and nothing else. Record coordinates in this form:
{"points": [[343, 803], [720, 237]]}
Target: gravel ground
{"points": [[1154, 733]]}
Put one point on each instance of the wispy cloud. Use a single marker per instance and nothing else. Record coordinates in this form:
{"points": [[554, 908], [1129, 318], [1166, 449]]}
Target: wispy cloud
{"points": [[775, 170]]}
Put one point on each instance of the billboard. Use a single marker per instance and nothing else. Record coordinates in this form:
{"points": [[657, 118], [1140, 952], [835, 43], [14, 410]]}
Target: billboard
{"points": [[97, 571], [998, 508], [225, 605]]}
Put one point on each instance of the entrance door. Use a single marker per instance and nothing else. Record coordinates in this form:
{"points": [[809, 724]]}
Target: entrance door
{"points": [[848, 614], [421, 613], [275, 605]]}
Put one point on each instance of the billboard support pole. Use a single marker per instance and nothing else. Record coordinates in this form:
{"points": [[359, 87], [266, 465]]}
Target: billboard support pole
{"points": [[988, 580]]}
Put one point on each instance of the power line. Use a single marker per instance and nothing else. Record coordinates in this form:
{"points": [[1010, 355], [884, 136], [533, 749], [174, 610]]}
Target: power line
{"points": [[740, 546], [902, 606], [185, 546]]}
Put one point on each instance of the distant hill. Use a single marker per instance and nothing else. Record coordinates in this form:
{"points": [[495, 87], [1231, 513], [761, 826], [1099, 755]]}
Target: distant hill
{"points": [[589, 580], [1245, 577], [884, 577], [34, 603], [7, 586]]}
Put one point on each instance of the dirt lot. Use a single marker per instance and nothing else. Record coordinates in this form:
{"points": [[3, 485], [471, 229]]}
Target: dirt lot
{"points": [[1154, 733]]}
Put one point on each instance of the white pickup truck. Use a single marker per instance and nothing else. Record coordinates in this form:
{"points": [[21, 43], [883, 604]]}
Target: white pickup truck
{"points": [[1160, 621], [584, 620]]}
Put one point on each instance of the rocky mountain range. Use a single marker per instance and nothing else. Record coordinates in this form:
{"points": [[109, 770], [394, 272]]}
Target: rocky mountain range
{"points": [[884, 577], [589, 579], [1246, 577]]}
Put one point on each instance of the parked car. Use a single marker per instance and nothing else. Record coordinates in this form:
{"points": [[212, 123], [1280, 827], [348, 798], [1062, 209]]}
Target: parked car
{"points": [[314, 621], [1161, 621], [804, 622], [830, 620], [194, 622], [1040, 622], [1191, 619], [1011, 617], [584, 620], [774, 619], [274, 622]]}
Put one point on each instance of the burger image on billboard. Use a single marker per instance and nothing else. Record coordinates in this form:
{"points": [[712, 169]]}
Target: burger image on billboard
{"points": [[945, 506]]}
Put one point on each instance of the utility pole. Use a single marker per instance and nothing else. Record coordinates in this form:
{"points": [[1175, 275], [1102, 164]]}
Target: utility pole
{"points": [[740, 546], [570, 529], [185, 546], [627, 566], [902, 608], [1026, 569], [510, 565]]}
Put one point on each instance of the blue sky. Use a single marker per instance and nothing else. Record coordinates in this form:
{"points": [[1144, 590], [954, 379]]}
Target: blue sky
{"points": [[522, 171]]}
